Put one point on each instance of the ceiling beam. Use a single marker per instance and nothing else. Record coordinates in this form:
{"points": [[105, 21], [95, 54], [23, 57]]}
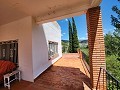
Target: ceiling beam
{"points": [[95, 3], [61, 14], [39, 21], [69, 12]]}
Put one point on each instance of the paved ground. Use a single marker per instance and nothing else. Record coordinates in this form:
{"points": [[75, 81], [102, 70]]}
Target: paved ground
{"points": [[66, 74]]}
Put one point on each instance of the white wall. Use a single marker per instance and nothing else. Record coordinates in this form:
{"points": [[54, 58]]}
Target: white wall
{"points": [[32, 44], [22, 30], [41, 35]]}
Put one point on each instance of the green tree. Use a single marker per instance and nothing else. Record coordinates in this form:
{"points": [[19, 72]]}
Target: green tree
{"points": [[113, 66], [64, 47], [70, 49], [75, 41], [110, 44], [115, 20]]}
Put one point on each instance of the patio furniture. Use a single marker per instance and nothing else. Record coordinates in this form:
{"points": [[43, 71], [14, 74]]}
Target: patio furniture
{"points": [[8, 80]]}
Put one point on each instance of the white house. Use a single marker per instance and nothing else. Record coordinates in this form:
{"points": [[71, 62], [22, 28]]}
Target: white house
{"points": [[20, 19], [39, 45]]}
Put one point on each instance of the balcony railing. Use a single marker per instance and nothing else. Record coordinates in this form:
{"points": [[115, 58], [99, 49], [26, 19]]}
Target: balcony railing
{"points": [[83, 57], [111, 82]]}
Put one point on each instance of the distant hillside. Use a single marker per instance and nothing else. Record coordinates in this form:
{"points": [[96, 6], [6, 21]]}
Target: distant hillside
{"points": [[65, 44], [82, 41], [66, 41]]}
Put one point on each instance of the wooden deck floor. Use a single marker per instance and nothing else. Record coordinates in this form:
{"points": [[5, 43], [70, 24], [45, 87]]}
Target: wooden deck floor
{"points": [[66, 74]]}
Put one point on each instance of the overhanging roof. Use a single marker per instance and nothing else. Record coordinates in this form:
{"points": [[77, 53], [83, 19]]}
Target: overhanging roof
{"points": [[43, 10]]}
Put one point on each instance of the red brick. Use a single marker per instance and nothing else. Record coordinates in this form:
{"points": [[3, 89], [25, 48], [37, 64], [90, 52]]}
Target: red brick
{"points": [[96, 44]]}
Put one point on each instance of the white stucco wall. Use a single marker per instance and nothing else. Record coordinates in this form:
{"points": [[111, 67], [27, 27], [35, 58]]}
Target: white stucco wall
{"points": [[32, 44], [21, 30], [41, 35]]}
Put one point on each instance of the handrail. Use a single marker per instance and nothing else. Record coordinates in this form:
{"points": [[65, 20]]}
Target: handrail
{"points": [[111, 82], [85, 62], [98, 78], [82, 57]]}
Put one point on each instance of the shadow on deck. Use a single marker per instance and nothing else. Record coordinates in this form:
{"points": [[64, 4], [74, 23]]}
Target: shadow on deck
{"points": [[66, 74]]}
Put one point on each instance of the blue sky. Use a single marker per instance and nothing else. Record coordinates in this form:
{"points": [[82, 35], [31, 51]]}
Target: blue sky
{"points": [[80, 21]]}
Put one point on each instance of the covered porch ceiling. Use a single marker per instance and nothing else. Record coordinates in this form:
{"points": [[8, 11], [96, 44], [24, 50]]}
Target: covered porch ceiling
{"points": [[43, 10]]}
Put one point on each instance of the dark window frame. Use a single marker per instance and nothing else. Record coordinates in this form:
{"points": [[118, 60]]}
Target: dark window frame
{"points": [[9, 51]]}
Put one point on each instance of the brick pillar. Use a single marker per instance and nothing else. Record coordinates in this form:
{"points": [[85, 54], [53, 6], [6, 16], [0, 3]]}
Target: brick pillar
{"points": [[95, 44]]}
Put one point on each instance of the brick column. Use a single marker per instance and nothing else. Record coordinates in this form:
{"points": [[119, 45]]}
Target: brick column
{"points": [[95, 44]]}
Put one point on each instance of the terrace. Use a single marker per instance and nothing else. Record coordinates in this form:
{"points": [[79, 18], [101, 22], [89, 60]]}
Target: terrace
{"points": [[21, 17], [68, 73]]}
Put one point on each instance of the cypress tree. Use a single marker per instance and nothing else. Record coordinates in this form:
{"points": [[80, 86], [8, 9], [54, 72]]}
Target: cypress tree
{"points": [[70, 37], [75, 42]]}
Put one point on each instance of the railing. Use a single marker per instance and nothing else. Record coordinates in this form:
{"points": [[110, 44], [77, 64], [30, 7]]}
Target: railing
{"points": [[85, 63], [111, 83]]}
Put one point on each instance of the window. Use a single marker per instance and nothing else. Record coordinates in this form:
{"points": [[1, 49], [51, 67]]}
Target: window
{"points": [[9, 51], [53, 49]]}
